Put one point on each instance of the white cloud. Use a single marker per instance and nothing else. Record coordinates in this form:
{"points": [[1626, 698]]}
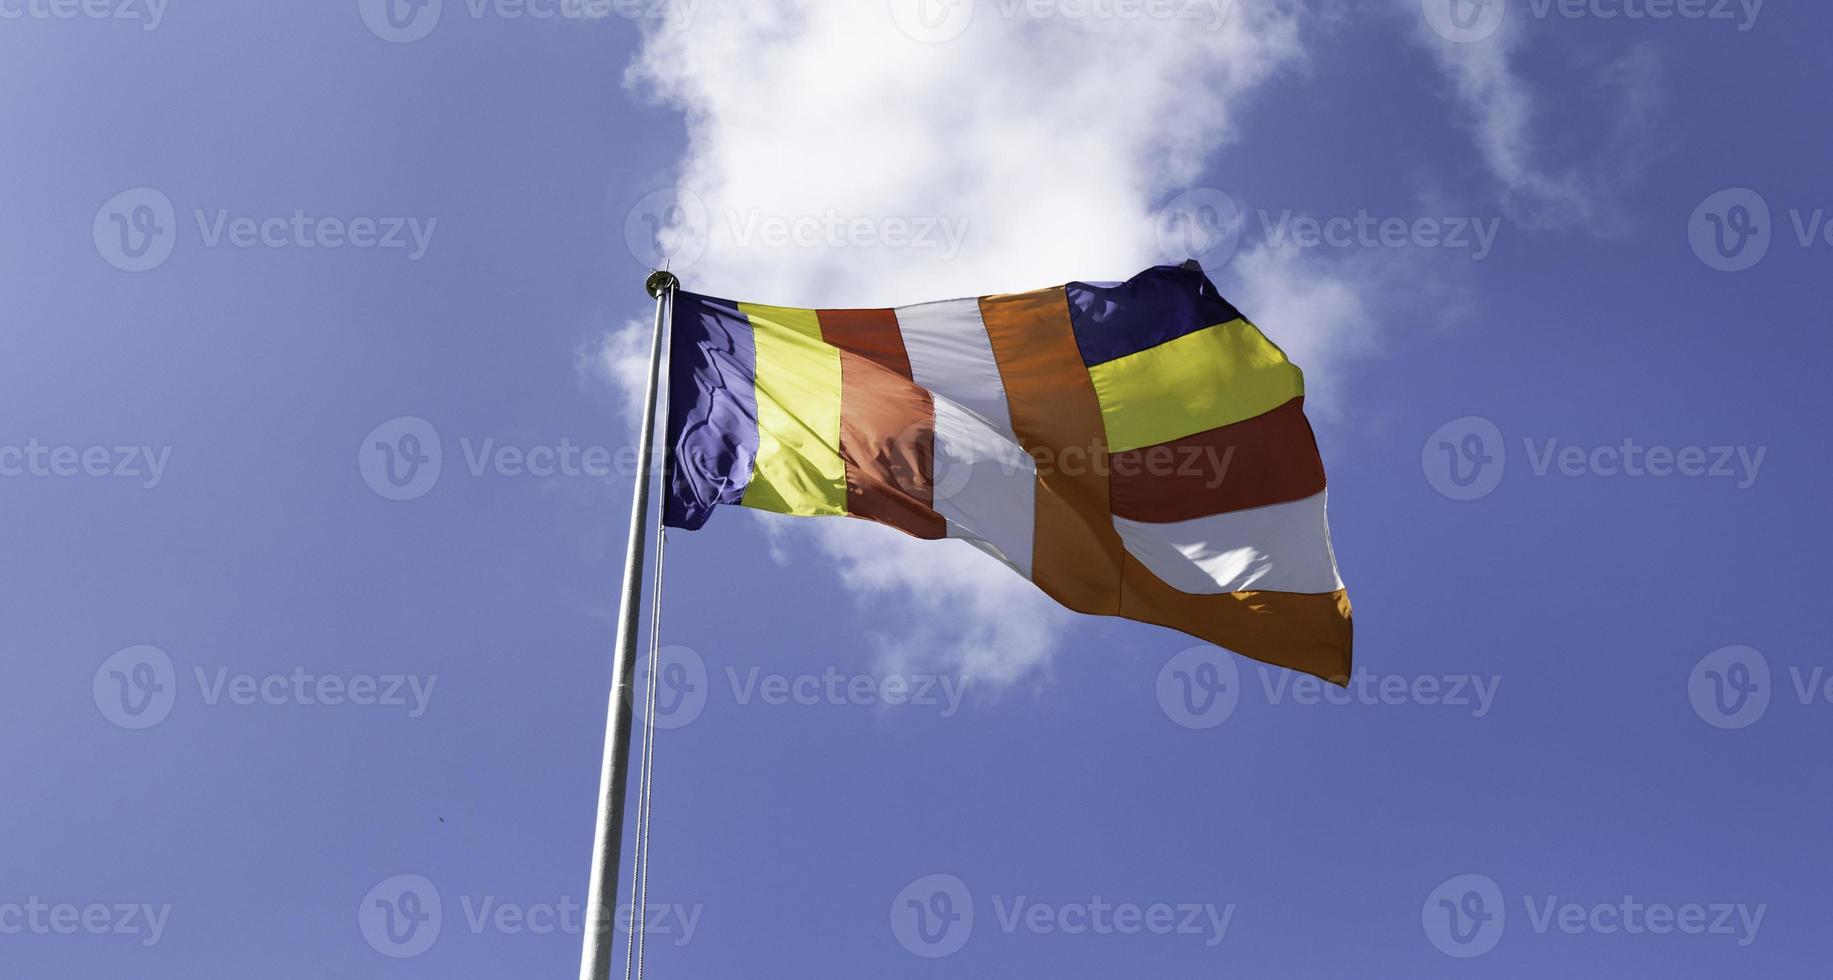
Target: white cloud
{"points": [[1053, 140], [1331, 299], [1517, 132], [622, 357], [961, 610]]}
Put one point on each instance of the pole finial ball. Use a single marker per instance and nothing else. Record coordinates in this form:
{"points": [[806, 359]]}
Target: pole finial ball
{"points": [[661, 282]]}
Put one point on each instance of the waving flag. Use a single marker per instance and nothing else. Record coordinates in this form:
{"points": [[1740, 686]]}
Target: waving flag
{"points": [[1135, 449]]}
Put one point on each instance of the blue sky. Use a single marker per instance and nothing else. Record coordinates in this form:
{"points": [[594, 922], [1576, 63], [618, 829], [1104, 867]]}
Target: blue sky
{"points": [[1587, 685]]}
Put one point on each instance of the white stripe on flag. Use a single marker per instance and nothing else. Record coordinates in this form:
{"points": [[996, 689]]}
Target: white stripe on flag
{"points": [[1278, 548], [985, 485], [951, 356]]}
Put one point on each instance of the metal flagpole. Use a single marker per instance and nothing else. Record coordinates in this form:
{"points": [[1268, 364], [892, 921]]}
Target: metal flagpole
{"points": [[600, 922]]}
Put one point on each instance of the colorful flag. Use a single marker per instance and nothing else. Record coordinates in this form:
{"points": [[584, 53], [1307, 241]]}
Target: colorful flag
{"points": [[1135, 449]]}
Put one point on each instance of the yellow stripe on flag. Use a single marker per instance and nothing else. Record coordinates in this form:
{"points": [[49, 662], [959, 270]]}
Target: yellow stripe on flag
{"points": [[1216, 376], [798, 468]]}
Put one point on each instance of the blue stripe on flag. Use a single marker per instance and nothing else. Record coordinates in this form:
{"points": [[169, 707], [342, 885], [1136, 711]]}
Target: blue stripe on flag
{"points": [[1113, 320], [712, 409]]}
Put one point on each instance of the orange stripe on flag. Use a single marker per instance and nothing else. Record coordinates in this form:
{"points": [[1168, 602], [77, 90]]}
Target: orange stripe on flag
{"points": [[1076, 552], [1309, 632]]}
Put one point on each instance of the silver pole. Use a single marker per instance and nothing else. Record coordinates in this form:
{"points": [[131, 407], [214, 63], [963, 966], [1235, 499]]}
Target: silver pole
{"points": [[601, 910]]}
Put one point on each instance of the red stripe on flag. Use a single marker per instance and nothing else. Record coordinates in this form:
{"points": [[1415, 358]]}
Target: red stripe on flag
{"points": [[872, 334], [1269, 459], [887, 424]]}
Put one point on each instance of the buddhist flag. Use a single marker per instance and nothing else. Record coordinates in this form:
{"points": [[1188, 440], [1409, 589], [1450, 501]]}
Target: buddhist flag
{"points": [[1135, 449]]}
